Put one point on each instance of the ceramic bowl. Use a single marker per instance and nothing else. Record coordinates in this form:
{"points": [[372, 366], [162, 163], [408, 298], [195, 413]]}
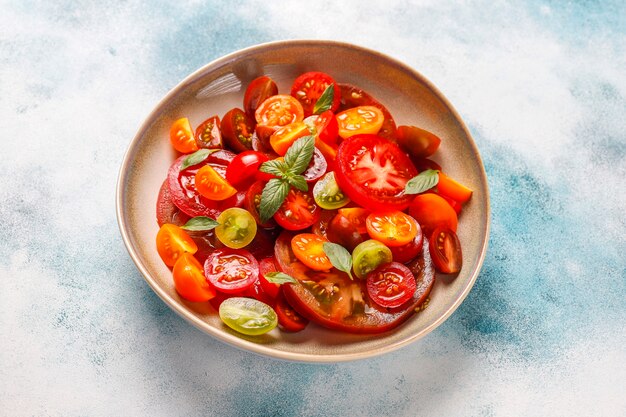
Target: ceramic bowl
{"points": [[218, 87]]}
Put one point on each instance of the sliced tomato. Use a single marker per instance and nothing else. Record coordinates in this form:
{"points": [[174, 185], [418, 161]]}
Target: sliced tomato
{"points": [[393, 228], [352, 96], [309, 249], [359, 120], [391, 285], [445, 250], [267, 265], [450, 188], [298, 212], [373, 171], [259, 90], [406, 253], [432, 211], [208, 134], [310, 86], [324, 126], [181, 136], [333, 300], [212, 185], [231, 270], [329, 152], [289, 319], [279, 110], [253, 202], [419, 143], [237, 130], [285, 136], [172, 242], [166, 210], [317, 167], [244, 169], [189, 279]]}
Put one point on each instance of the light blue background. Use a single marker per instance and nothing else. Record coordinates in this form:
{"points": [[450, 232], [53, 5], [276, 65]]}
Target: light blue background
{"points": [[542, 86]]}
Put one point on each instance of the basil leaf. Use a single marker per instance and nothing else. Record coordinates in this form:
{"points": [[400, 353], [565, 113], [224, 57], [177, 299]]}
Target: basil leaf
{"points": [[339, 257], [298, 182], [200, 223], [274, 167], [272, 198], [299, 154], [425, 180], [197, 157], [325, 102], [280, 278]]}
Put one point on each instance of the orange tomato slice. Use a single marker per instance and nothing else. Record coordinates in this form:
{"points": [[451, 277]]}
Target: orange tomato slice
{"points": [[182, 137], [432, 211], [309, 249], [279, 110], [450, 188], [211, 185], [393, 228], [190, 281], [360, 120], [172, 242], [285, 136]]}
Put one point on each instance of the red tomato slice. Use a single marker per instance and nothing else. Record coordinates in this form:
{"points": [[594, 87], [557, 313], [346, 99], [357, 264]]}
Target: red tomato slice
{"points": [[298, 212], [231, 270], [208, 135], [373, 171], [237, 130], [279, 110], [288, 319], [445, 250], [259, 90], [181, 136], [189, 280], [310, 86], [333, 300], [267, 265], [166, 210], [432, 211], [352, 96], [391, 285], [172, 242]]}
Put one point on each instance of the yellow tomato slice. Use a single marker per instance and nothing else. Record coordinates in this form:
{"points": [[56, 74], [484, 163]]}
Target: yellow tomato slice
{"points": [[360, 120]]}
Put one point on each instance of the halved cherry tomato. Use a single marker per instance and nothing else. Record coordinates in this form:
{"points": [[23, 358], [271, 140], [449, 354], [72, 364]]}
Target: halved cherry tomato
{"points": [[253, 202], [391, 285], [236, 228], [431, 211], [317, 167], [259, 90], [261, 139], [352, 96], [212, 185], [181, 136], [285, 136], [343, 231], [309, 249], [393, 228], [166, 210], [450, 188], [208, 135], [237, 130], [289, 319], [405, 253], [357, 217], [310, 86], [231, 270], [359, 120], [172, 242], [327, 193], [373, 171], [324, 126], [189, 279], [244, 169], [419, 143], [445, 251], [368, 256], [279, 110], [267, 265], [298, 212], [329, 152]]}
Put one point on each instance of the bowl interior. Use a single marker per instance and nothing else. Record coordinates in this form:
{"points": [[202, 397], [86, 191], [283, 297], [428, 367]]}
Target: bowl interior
{"points": [[218, 87]]}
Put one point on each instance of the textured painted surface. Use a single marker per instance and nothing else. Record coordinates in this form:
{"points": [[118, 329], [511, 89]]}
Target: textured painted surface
{"points": [[542, 86]]}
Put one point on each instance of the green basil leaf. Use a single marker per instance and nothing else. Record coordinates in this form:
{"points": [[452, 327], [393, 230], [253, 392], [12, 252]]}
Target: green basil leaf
{"points": [[425, 180], [274, 167], [199, 223], [298, 181], [272, 198], [299, 154], [280, 278], [197, 157], [339, 257], [325, 102]]}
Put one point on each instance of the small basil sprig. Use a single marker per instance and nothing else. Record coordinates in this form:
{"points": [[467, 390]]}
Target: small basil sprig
{"points": [[425, 180], [280, 278], [339, 257], [288, 171], [325, 102], [200, 223], [196, 157]]}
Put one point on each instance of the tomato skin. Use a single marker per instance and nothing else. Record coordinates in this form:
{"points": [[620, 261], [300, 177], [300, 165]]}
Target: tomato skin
{"points": [[445, 251], [259, 90], [189, 279], [359, 120], [289, 319], [244, 169], [406, 253], [324, 126], [419, 143], [166, 210], [172, 242], [212, 185], [285, 136], [352, 96], [279, 110], [309, 87], [342, 231], [320, 228], [252, 202], [267, 265], [373, 171], [393, 228], [237, 130], [181, 136], [391, 285], [450, 188], [422, 164], [208, 134], [309, 249], [231, 271], [298, 212], [431, 211]]}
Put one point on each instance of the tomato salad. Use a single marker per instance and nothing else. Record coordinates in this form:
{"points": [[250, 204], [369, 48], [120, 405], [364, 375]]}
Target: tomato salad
{"points": [[308, 206]]}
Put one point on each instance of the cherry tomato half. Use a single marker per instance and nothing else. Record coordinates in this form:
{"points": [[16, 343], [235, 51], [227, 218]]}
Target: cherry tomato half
{"points": [[244, 169], [166, 210], [310, 86], [368, 256], [391, 285], [450, 188], [236, 227], [253, 202], [237, 130], [359, 120], [393, 228], [208, 135], [181, 136], [352, 96], [172, 242], [285, 136], [406, 253], [419, 143], [259, 90], [445, 251], [323, 126], [327, 193], [309, 249], [317, 167], [289, 319], [231, 270], [373, 171], [189, 279], [432, 211], [212, 185], [279, 110], [298, 212]]}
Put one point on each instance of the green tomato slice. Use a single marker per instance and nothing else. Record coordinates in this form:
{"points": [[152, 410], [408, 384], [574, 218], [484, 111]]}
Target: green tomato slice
{"points": [[368, 256], [237, 228], [327, 193], [248, 316]]}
